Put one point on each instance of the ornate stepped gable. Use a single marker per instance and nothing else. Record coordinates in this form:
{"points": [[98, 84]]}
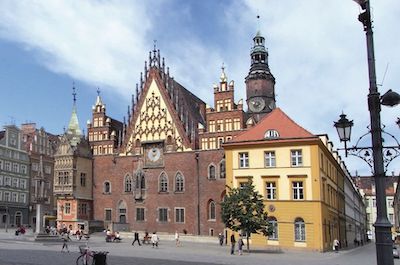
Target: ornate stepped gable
{"points": [[164, 111]]}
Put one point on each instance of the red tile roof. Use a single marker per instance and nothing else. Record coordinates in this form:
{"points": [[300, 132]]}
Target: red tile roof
{"points": [[367, 184], [276, 120]]}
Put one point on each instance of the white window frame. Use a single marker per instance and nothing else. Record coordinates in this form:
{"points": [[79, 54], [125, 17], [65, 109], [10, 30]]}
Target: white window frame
{"points": [[270, 159], [244, 161], [270, 190], [296, 158], [274, 224], [298, 190], [299, 230]]}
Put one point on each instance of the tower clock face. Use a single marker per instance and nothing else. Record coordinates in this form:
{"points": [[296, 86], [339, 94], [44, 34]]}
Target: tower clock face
{"points": [[256, 104], [154, 154]]}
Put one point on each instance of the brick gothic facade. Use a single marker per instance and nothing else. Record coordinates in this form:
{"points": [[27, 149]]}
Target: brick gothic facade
{"points": [[163, 168]]}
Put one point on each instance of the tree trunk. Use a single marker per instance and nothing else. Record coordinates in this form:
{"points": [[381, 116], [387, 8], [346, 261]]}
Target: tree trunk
{"points": [[247, 243]]}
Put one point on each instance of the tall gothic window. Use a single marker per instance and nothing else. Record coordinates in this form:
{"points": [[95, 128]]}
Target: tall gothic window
{"points": [[128, 183], [107, 187], [179, 183], [211, 172], [163, 183], [211, 210]]}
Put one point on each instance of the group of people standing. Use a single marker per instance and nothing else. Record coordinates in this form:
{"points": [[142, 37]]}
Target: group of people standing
{"points": [[240, 244]]}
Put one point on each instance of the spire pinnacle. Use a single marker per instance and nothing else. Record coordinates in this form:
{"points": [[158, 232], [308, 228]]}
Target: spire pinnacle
{"points": [[73, 127], [223, 77], [98, 99], [74, 92]]}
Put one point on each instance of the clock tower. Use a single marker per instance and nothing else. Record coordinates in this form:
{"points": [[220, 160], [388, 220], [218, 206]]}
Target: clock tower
{"points": [[260, 83]]}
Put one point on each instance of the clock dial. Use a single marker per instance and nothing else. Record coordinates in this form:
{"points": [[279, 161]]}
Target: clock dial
{"points": [[154, 154], [256, 104]]}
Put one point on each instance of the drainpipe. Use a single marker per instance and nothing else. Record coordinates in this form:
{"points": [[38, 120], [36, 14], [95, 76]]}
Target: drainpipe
{"points": [[198, 191]]}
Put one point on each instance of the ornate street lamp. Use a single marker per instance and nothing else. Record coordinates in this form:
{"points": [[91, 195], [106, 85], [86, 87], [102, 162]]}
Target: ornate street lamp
{"points": [[343, 127], [382, 225]]}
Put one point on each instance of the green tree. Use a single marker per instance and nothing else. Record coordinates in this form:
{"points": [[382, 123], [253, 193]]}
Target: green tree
{"points": [[243, 210]]}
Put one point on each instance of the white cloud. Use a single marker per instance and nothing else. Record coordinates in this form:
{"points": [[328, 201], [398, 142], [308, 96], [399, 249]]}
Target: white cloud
{"points": [[98, 42], [318, 56], [316, 49]]}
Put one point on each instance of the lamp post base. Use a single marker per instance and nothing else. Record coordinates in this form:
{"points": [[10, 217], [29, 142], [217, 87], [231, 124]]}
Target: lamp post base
{"points": [[383, 243]]}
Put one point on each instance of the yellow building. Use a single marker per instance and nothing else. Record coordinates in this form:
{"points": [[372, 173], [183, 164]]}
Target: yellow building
{"points": [[300, 178]]}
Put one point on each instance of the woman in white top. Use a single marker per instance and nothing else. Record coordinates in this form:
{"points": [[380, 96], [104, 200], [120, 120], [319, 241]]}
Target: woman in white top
{"points": [[154, 239], [177, 242]]}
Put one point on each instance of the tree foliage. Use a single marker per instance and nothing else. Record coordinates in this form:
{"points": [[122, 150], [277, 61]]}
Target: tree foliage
{"points": [[243, 210]]}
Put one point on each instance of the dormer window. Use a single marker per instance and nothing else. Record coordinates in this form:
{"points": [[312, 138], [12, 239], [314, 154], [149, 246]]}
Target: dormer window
{"points": [[271, 134]]}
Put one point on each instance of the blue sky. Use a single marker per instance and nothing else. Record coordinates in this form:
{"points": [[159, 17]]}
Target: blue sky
{"points": [[317, 54]]}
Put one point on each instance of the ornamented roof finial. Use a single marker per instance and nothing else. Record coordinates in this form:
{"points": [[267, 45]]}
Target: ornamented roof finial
{"points": [[223, 75], [74, 92], [98, 91], [155, 45]]}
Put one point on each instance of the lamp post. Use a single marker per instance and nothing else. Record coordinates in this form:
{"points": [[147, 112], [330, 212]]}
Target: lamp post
{"points": [[382, 225]]}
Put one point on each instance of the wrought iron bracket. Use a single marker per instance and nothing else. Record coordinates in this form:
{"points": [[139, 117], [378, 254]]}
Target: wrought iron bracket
{"points": [[365, 153]]}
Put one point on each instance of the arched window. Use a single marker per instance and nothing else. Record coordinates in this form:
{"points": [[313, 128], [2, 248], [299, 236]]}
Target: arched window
{"points": [[211, 210], [128, 183], [163, 183], [299, 230], [143, 182], [211, 172], [179, 183], [274, 227], [18, 218], [107, 187], [122, 212], [222, 169]]}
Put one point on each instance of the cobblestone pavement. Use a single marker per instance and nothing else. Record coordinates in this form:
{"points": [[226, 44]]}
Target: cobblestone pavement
{"points": [[24, 251]]}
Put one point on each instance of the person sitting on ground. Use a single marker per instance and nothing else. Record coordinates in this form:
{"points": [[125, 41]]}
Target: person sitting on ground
{"points": [[117, 237]]}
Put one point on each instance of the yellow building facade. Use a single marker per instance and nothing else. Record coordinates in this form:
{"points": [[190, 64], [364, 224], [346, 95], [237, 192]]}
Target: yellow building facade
{"points": [[300, 178]]}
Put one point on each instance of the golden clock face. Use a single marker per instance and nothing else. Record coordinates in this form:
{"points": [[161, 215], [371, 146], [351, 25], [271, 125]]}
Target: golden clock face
{"points": [[153, 154]]}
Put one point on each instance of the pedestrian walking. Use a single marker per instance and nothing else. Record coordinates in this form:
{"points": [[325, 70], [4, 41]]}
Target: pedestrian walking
{"points": [[336, 245], [233, 242], [154, 239], [221, 239], [177, 241], [136, 238], [240, 245], [65, 238]]}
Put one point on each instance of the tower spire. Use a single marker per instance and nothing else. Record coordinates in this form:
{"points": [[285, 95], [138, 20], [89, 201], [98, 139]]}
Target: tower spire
{"points": [[73, 127], [260, 83]]}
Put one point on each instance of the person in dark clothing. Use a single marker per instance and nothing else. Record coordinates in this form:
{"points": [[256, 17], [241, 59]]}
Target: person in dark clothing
{"points": [[136, 238], [233, 242], [221, 239]]}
